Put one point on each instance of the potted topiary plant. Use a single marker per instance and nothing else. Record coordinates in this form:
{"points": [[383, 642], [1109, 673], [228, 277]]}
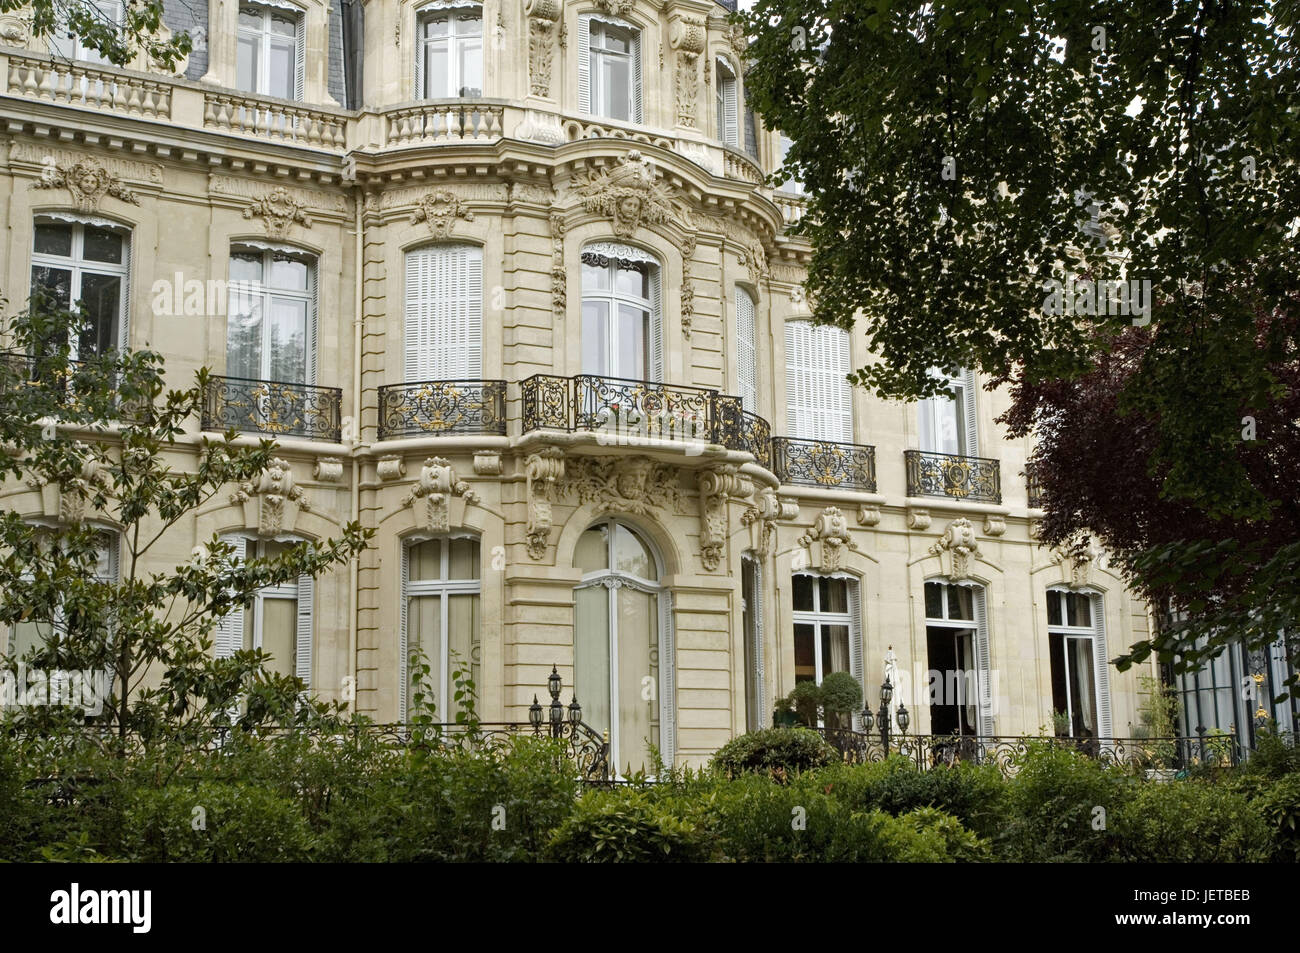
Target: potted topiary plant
{"points": [[806, 700], [783, 714], [841, 695]]}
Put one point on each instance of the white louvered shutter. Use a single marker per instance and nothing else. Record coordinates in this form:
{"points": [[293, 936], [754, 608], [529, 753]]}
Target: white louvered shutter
{"points": [[746, 355], [420, 91], [818, 398], [969, 411], [584, 64], [983, 667], [730, 132], [855, 641], [229, 637], [636, 112], [444, 313], [656, 342], [300, 58], [401, 638], [756, 613], [667, 679], [1101, 662], [124, 332], [302, 665], [313, 308]]}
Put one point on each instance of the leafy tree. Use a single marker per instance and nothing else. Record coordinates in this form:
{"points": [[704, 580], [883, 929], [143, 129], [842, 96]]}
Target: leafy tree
{"points": [[118, 41], [104, 429]]}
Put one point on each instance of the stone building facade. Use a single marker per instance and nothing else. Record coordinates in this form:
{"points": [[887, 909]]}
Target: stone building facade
{"points": [[509, 283]]}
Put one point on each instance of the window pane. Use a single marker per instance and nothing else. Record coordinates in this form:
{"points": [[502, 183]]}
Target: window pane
{"points": [[594, 277], [934, 600], [55, 282], [592, 551], [1082, 694], [638, 661], [280, 633], [595, 337], [618, 86], [802, 593], [437, 26], [834, 595], [53, 239], [591, 655], [805, 657], [1053, 607], [282, 68], [103, 245], [631, 555], [464, 559], [462, 640], [632, 327], [247, 57], [633, 281], [283, 25], [244, 336], [289, 272], [471, 69], [250, 18], [288, 340], [835, 649], [424, 632], [100, 296], [437, 71], [246, 267], [424, 560], [961, 602]]}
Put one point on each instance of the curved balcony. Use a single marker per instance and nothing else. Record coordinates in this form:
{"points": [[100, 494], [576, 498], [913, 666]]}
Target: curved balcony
{"points": [[434, 408], [275, 408], [626, 412], [975, 479], [823, 463]]}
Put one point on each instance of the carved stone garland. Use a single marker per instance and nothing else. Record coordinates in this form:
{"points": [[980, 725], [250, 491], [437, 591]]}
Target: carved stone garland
{"points": [[440, 208], [687, 38], [87, 182], [559, 275], [688, 287]]}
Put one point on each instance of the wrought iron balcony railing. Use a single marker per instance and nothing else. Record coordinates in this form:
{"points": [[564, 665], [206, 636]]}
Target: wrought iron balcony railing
{"points": [[824, 463], [427, 408], [943, 474], [1034, 489], [277, 408], [625, 411]]}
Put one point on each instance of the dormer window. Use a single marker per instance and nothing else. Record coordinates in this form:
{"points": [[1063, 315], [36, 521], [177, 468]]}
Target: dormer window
{"points": [[449, 54]]}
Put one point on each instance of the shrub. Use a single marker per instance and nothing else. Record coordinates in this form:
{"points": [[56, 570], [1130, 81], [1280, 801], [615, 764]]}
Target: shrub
{"points": [[806, 699], [626, 827], [237, 822], [775, 751], [1279, 803], [1190, 822], [841, 696], [1053, 802]]}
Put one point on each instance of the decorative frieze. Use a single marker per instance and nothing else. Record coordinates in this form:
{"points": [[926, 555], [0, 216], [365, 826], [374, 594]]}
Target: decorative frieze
{"points": [[87, 182], [634, 485]]}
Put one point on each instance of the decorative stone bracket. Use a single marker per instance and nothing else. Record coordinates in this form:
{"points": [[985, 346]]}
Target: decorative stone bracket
{"points": [[761, 519], [279, 211], [1079, 564], [956, 548], [272, 501], [542, 472], [436, 486], [830, 535], [717, 486]]}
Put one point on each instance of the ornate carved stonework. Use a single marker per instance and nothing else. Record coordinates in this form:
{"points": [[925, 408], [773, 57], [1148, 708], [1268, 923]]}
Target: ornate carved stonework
{"points": [[616, 7], [542, 15], [831, 531], [736, 37], [754, 258], [688, 287], [272, 501], [74, 493], [440, 208], [686, 87], [634, 485], [629, 195], [762, 516], [559, 275], [329, 469], [1079, 563], [437, 485], [716, 487], [279, 210], [957, 547], [87, 181], [487, 462], [542, 472], [391, 467], [868, 515], [918, 519], [994, 526]]}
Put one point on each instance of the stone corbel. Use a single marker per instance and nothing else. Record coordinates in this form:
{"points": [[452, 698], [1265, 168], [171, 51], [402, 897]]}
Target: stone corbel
{"points": [[761, 519], [1079, 564], [437, 484], [716, 487], [273, 501], [542, 471], [830, 535], [994, 526], [487, 462], [391, 467], [73, 494], [868, 515], [329, 469], [956, 548], [918, 519]]}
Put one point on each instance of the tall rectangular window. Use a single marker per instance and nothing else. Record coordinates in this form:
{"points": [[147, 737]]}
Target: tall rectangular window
{"points": [[959, 685], [271, 332], [819, 400], [70, 46], [269, 58], [444, 313], [621, 333], [727, 105], [1076, 644], [280, 619], [83, 265], [449, 59], [42, 626], [609, 68], [746, 351], [440, 616], [947, 424], [751, 594]]}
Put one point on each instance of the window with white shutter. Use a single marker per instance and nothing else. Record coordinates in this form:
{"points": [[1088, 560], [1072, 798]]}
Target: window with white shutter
{"points": [[947, 424], [444, 313], [819, 399], [441, 584], [727, 103], [746, 351], [280, 619], [609, 68], [1076, 633], [70, 46]]}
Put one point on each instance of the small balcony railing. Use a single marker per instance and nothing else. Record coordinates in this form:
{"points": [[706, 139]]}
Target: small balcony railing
{"points": [[625, 411], [824, 463], [433, 408], [277, 408], [958, 477], [1034, 490]]}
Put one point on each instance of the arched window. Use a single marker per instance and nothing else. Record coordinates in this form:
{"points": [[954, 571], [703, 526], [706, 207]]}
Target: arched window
{"points": [[819, 401], [960, 692], [86, 262], [449, 52], [441, 585], [444, 313], [622, 330], [622, 651], [271, 332], [609, 68], [280, 619], [1076, 635], [746, 351], [728, 104]]}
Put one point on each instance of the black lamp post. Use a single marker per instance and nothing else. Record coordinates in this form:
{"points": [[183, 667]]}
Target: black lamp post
{"points": [[886, 693], [557, 716], [535, 713]]}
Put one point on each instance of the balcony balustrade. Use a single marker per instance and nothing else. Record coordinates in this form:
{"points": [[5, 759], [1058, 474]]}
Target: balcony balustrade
{"points": [[437, 408], [275, 408], [974, 479], [826, 464], [91, 87]]}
